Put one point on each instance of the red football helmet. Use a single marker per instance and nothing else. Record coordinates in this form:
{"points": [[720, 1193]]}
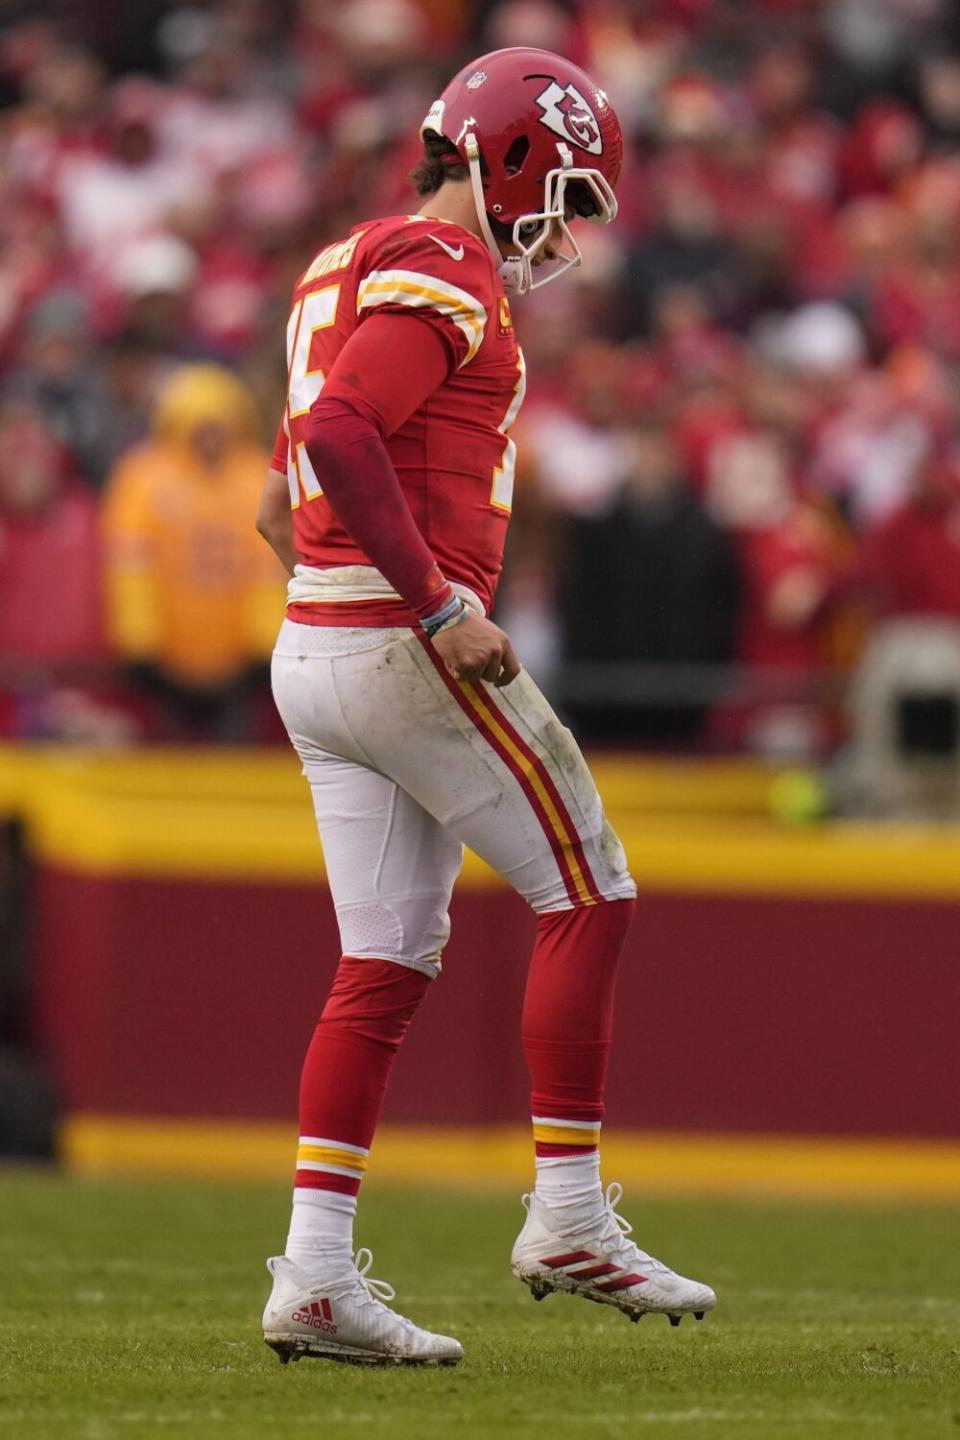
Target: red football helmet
{"points": [[542, 144]]}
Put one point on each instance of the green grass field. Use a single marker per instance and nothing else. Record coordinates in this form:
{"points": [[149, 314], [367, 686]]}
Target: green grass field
{"points": [[131, 1309]]}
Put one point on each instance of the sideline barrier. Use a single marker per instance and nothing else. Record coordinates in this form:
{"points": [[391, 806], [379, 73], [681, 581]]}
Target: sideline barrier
{"points": [[493, 1157], [799, 981]]}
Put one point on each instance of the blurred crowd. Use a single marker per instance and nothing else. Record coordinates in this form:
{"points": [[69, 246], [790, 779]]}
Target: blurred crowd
{"points": [[740, 447]]}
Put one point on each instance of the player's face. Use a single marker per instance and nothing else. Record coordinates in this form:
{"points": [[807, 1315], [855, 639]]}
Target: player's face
{"points": [[551, 246], [549, 250]]}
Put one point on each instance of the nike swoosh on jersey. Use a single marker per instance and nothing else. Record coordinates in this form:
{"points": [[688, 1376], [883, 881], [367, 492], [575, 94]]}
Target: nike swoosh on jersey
{"points": [[454, 254]]}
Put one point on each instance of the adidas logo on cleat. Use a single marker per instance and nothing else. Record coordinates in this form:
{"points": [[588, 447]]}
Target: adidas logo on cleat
{"points": [[319, 1315]]}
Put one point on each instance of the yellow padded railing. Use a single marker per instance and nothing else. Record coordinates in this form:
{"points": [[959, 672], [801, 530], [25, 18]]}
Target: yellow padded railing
{"points": [[688, 826]]}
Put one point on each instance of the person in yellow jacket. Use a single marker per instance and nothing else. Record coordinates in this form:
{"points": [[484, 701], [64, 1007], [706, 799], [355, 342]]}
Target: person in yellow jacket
{"points": [[192, 601]]}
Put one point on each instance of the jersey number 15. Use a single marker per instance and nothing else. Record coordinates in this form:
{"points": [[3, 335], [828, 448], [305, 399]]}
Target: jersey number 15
{"points": [[318, 311]]}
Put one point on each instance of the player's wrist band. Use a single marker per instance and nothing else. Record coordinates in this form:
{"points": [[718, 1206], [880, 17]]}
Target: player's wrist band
{"points": [[451, 614]]}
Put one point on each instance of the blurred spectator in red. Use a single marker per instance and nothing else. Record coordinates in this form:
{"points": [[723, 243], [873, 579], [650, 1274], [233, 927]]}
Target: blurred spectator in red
{"points": [[870, 237], [865, 452], [576, 442], [51, 628], [541, 24], [796, 567], [114, 196], [61, 95], [782, 392], [49, 545], [800, 153], [795, 557], [225, 109], [194, 597], [919, 301], [30, 261], [911, 562], [246, 240], [796, 564], [884, 145]]}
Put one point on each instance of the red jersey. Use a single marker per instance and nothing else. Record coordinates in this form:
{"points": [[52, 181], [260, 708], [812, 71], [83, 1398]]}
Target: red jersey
{"points": [[453, 458], [912, 561]]}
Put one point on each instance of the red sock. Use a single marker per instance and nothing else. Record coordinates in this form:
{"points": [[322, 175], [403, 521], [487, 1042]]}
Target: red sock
{"points": [[347, 1068], [567, 1021]]}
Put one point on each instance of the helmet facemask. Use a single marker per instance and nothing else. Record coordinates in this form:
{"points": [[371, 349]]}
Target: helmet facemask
{"points": [[530, 232]]}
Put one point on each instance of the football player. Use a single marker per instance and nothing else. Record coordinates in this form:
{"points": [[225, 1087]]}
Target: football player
{"points": [[388, 500]]}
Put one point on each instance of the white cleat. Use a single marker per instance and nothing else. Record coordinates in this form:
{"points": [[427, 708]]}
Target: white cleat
{"points": [[597, 1261], [344, 1318]]}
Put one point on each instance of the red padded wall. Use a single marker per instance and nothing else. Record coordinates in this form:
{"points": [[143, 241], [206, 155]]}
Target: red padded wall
{"points": [[170, 997]]}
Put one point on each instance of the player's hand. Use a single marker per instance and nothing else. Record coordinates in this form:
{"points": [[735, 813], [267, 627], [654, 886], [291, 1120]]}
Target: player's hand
{"points": [[476, 649]]}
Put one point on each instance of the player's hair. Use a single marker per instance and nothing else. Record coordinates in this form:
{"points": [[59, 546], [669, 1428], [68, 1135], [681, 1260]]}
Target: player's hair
{"points": [[436, 165]]}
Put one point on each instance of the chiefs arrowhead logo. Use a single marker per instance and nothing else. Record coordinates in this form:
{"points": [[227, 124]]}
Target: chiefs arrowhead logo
{"points": [[568, 115]]}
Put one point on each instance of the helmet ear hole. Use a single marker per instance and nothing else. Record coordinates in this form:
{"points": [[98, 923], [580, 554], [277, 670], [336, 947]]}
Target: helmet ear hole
{"points": [[516, 154]]}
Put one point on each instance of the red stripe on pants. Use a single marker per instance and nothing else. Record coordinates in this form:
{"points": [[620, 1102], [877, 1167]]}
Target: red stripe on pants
{"points": [[557, 841]]}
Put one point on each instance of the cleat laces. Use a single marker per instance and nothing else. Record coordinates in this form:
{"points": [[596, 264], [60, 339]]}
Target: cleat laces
{"points": [[376, 1293], [615, 1231], [372, 1292]]}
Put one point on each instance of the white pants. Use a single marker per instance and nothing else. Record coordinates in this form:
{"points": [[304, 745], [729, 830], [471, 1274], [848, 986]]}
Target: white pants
{"points": [[406, 766]]}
